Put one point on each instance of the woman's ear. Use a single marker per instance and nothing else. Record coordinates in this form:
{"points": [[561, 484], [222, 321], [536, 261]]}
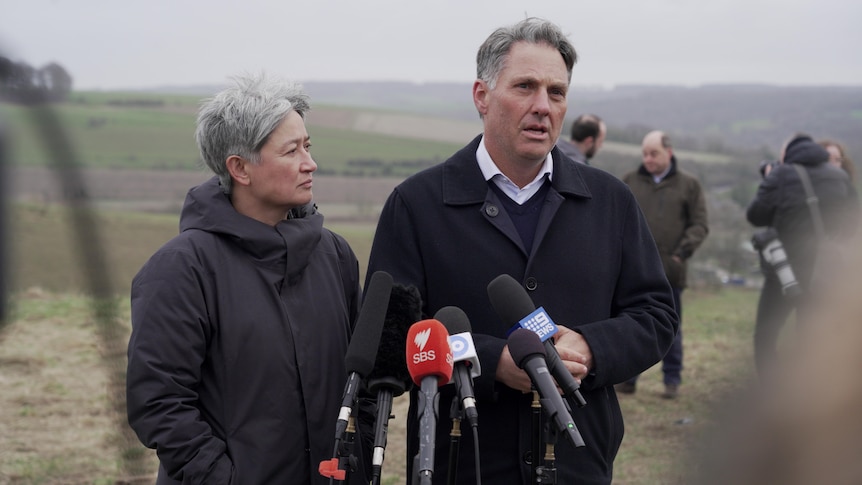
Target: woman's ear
{"points": [[236, 166]]}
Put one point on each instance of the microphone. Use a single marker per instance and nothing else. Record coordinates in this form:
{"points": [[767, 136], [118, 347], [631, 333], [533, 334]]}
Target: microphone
{"points": [[527, 351], [362, 349], [429, 361], [466, 362], [390, 377], [514, 305]]}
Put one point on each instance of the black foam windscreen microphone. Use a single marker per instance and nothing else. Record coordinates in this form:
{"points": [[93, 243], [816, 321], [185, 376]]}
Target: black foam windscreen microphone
{"points": [[529, 354], [362, 350], [389, 377], [466, 362], [512, 303]]}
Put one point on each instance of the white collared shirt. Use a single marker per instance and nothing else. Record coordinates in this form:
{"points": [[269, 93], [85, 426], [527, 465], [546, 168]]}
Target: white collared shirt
{"points": [[491, 172], [658, 178]]}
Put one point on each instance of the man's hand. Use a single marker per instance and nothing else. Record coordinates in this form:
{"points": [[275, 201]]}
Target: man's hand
{"points": [[574, 352], [510, 374]]}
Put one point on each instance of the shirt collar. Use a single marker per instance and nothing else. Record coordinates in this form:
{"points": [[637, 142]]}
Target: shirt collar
{"points": [[658, 178], [491, 172]]}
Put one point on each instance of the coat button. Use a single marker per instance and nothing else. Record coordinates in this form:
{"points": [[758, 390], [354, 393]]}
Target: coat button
{"points": [[528, 458], [531, 283], [492, 210]]}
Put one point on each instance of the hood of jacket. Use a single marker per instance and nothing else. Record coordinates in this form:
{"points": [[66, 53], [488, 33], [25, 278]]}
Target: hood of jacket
{"points": [[288, 245], [802, 150]]}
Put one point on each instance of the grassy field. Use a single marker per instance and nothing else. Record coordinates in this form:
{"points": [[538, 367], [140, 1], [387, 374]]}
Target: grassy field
{"points": [[156, 132], [60, 419], [60, 425]]}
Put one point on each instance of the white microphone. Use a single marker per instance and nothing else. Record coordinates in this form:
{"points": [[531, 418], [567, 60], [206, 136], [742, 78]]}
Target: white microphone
{"points": [[466, 362]]}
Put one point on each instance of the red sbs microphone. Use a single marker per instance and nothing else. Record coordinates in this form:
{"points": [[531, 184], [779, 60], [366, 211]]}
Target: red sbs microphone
{"points": [[430, 363]]}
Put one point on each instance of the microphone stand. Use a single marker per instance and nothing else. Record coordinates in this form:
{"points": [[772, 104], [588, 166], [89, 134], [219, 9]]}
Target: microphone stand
{"points": [[547, 472], [456, 414], [346, 458], [343, 461], [536, 441]]}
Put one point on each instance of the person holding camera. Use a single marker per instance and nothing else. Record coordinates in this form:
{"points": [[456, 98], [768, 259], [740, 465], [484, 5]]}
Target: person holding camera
{"points": [[788, 254]]}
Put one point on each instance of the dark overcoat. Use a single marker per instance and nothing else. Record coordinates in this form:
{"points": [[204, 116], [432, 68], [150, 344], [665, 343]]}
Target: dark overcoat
{"points": [[593, 267], [781, 202]]}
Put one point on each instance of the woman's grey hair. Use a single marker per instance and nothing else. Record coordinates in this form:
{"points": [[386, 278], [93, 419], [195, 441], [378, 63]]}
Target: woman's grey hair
{"points": [[493, 53], [239, 120]]}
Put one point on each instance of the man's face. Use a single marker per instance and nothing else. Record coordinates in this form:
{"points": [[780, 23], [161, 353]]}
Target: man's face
{"points": [[523, 114], [597, 142], [283, 178], [656, 158]]}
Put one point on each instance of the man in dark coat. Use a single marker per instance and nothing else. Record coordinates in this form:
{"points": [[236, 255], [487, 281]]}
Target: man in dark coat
{"points": [[675, 208], [240, 324], [781, 203], [588, 136], [511, 203]]}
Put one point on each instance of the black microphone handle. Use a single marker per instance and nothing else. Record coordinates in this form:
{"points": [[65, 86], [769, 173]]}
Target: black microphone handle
{"points": [[428, 405], [464, 385], [564, 378], [351, 388], [381, 427], [551, 400]]}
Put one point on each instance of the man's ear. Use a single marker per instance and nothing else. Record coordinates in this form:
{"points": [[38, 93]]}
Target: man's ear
{"points": [[480, 95], [236, 166]]}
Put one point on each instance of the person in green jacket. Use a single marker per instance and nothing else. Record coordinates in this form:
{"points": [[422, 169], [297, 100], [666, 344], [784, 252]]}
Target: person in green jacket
{"points": [[675, 209]]}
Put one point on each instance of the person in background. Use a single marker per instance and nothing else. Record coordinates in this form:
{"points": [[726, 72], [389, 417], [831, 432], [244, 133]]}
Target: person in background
{"points": [[240, 324], [675, 208], [511, 203], [781, 203], [588, 135], [838, 157]]}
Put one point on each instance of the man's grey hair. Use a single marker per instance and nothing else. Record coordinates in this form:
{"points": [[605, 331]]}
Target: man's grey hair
{"points": [[240, 119], [493, 53]]}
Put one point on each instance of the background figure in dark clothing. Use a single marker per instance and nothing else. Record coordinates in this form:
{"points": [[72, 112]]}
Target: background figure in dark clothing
{"points": [[780, 203], [511, 203], [675, 208], [240, 324], [588, 135]]}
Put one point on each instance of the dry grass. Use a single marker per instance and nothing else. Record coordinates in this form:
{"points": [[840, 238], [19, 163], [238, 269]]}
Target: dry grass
{"points": [[59, 421]]}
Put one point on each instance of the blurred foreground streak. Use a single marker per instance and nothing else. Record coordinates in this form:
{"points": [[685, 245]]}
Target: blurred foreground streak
{"points": [[66, 167], [802, 424], [4, 230]]}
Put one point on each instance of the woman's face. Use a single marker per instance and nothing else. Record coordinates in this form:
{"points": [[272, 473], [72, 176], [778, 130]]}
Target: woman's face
{"points": [[835, 157]]}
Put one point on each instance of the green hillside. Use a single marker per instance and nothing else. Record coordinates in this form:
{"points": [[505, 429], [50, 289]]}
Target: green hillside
{"points": [[116, 130]]}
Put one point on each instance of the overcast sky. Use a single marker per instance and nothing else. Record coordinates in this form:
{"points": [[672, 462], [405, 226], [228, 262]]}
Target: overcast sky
{"points": [[116, 44]]}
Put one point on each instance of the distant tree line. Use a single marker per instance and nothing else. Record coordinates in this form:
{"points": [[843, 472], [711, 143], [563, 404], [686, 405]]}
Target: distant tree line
{"points": [[22, 83]]}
